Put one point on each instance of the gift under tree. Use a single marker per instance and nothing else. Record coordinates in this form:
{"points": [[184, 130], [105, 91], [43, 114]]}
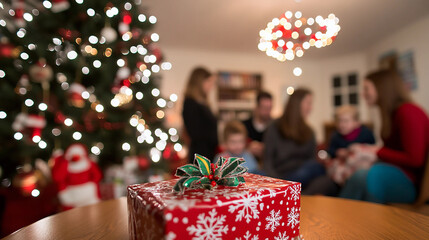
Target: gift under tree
{"points": [[84, 72]]}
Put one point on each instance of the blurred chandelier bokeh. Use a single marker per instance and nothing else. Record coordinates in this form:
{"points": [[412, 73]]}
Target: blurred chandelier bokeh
{"points": [[291, 34]]}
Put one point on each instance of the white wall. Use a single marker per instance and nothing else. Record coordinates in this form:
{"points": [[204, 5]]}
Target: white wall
{"points": [[276, 77], [414, 37], [317, 74]]}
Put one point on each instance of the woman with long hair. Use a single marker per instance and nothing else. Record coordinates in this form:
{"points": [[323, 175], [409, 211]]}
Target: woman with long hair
{"points": [[200, 123], [405, 134], [290, 144]]}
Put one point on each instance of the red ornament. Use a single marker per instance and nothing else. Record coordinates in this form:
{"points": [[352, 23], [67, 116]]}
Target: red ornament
{"points": [[18, 7], [6, 50], [144, 163], [127, 19], [68, 34]]}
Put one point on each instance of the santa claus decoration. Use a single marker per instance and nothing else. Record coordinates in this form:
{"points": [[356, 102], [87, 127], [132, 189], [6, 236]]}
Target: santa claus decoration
{"points": [[29, 124], [77, 177]]}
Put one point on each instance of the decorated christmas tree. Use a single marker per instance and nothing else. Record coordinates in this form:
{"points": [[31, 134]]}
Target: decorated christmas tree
{"points": [[81, 71]]}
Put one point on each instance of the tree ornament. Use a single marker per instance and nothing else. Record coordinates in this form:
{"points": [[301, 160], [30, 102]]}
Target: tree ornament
{"points": [[127, 18], [68, 34], [77, 177], [156, 51], [23, 85], [41, 72], [6, 50], [18, 6], [29, 124], [75, 95], [109, 34], [203, 174], [121, 79], [123, 28], [60, 5]]}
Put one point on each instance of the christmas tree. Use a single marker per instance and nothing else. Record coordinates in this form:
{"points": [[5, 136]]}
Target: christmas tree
{"points": [[81, 71]]}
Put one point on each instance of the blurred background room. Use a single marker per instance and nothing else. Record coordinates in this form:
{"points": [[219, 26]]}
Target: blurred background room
{"points": [[98, 95]]}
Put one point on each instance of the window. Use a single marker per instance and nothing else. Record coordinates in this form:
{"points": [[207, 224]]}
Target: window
{"points": [[345, 89]]}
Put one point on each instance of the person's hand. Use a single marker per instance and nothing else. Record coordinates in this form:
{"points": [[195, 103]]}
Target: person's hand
{"points": [[256, 148], [342, 153], [372, 149]]}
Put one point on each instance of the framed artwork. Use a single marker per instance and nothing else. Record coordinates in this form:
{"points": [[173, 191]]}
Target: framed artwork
{"points": [[407, 69], [403, 63]]}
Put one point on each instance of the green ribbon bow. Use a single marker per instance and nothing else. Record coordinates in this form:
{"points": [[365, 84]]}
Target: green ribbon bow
{"points": [[203, 174]]}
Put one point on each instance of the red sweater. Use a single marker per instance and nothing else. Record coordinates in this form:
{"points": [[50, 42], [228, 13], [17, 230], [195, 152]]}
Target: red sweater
{"points": [[408, 144]]}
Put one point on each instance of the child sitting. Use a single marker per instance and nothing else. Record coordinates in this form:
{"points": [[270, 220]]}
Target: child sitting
{"points": [[344, 148], [235, 135]]}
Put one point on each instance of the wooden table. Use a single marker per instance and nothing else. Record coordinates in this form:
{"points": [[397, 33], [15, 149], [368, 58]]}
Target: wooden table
{"points": [[322, 218]]}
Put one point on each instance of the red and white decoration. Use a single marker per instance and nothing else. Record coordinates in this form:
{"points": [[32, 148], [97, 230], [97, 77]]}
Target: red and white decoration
{"points": [[41, 72], [30, 124], [77, 177], [292, 34], [268, 207]]}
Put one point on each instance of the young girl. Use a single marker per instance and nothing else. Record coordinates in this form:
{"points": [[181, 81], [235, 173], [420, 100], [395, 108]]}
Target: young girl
{"points": [[405, 133]]}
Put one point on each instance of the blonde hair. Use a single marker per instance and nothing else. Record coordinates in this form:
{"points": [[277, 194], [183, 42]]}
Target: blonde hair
{"points": [[347, 109], [194, 88], [234, 127]]}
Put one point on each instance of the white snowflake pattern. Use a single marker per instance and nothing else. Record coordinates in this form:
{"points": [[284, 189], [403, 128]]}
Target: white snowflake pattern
{"points": [[282, 236], [293, 217], [248, 206], [272, 192], [295, 192], [184, 204], [248, 236], [208, 227], [273, 221], [170, 236]]}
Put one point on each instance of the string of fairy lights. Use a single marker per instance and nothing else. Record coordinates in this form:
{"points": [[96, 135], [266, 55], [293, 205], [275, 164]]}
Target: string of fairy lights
{"points": [[291, 34], [88, 47]]}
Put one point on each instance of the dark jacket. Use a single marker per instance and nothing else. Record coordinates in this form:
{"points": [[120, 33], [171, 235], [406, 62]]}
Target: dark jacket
{"points": [[338, 141], [201, 126], [252, 132]]}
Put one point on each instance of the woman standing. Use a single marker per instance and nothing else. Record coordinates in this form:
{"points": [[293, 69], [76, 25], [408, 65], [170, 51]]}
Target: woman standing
{"points": [[290, 145], [200, 123], [405, 133]]}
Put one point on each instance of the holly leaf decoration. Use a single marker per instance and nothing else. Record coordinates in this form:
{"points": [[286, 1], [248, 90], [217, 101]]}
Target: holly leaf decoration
{"points": [[204, 174], [203, 164]]}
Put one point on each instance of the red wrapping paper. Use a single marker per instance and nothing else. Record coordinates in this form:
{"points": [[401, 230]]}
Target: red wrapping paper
{"points": [[262, 208]]}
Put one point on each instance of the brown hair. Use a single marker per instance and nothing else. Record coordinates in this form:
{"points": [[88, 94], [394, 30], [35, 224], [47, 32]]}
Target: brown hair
{"points": [[391, 94], [194, 88], [292, 124], [234, 127], [347, 109], [263, 95]]}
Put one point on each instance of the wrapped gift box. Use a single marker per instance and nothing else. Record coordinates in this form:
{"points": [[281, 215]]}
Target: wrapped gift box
{"points": [[262, 208]]}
